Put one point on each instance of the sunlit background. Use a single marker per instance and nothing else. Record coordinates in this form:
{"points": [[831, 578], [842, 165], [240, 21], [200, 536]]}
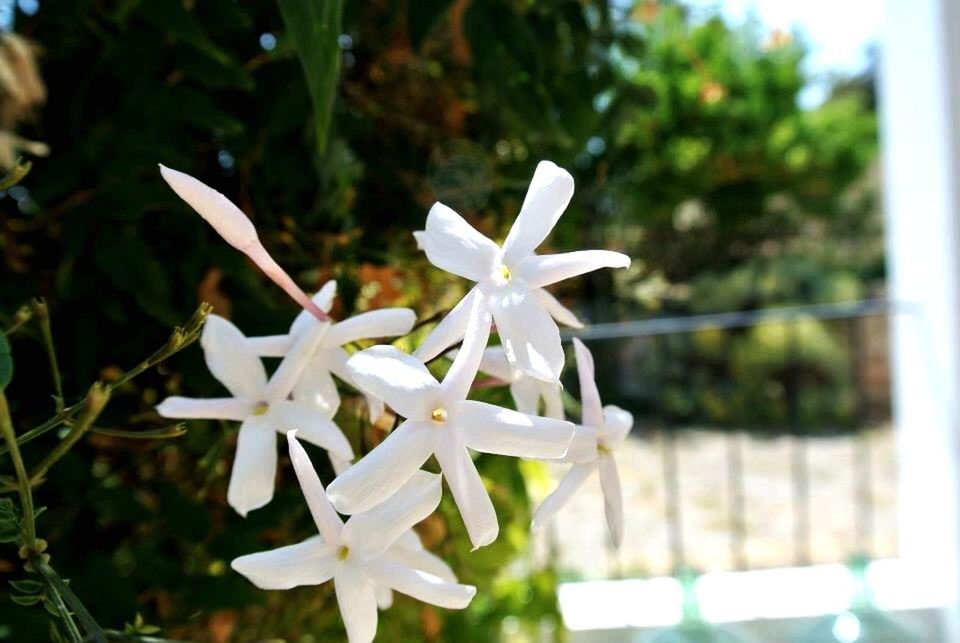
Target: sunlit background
{"points": [[791, 474]]}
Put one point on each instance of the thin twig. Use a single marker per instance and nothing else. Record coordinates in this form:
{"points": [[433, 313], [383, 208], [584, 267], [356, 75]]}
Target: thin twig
{"points": [[22, 316], [23, 484], [42, 313], [97, 398]]}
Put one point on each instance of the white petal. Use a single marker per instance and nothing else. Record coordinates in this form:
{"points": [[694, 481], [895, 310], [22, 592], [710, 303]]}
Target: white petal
{"points": [[616, 424], [583, 447], [471, 497], [326, 519], [547, 197], [458, 380], [526, 394], [421, 585], [592, 412], [557, 310], [338, 464], [454, 245], [254, 467], [316, 387], [560, 496], [529, 335], [420, 558], [271, 345], [373, 531], [311, 425], [378, 475], [386, 322], [612, 497], [384, 597], [399, 379], [324, 301], [285, 377], [186, 408], [336, 361], [493, 429], [449, 331], [358, 605], [308, 563], [230, 359], [543, 270], [226, 218], [495, 363], [552, 394]]}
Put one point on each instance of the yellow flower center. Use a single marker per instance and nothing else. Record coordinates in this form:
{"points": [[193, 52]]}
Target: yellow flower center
{"points": [[261, 408], [505, 273], [439, 415], [343, 552], [603, 449]]}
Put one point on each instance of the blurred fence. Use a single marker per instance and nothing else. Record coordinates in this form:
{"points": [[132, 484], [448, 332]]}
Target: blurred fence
{"points": [[798, 385]]}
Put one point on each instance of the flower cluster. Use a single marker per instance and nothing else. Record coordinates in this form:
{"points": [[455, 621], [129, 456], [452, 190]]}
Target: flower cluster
{"points": [[386, 492]]}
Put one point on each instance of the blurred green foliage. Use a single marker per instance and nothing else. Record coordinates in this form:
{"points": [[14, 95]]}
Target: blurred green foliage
{"points": [[689, 151]]}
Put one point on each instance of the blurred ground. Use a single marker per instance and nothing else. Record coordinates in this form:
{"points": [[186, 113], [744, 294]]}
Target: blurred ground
{"points": [[579, 535]]}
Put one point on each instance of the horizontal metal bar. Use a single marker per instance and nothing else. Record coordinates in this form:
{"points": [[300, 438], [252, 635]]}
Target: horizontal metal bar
{"points": [[736, 319]]}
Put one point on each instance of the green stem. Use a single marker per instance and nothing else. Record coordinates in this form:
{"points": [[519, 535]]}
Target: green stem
{"points": [[93, 630], [65, 614], [96, 399], [42, 313], [23, 483], [24, 314]]}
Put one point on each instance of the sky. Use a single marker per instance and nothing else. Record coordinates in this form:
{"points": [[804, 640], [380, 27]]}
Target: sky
{"points": [[838, 32]]}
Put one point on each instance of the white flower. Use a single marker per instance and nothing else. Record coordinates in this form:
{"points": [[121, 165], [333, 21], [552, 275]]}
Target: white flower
{"points": [[360, 556], [261, 405], [236, 229], [442, 422], [316, 383], [409, 550], [512, 277], [594, 442], [526, 391]]}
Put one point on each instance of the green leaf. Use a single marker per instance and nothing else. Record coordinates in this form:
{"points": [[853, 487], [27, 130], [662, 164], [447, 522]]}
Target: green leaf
{"points": [[27, 586], [6, 362], [313, 27], [171, 431], [25, 600]]}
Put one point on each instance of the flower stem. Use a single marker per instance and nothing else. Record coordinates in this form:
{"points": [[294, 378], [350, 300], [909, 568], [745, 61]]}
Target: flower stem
{"points": [[96, 399], [23, 483], [42, 313]]}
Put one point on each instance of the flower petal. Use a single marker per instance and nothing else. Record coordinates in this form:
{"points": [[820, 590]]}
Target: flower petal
{"points": [[379, 474], [187, 408], [285, 377], [529, 335], [271, 345], [373, 531], [547, 197], [526, 394], [459, 378], [420, 585], [420, 558], [316, 386], [230, 359], [493, 429], [449, 330], [560, 496], [471, 497], [254, 467], [591, 407], [384, 597], [557, 310], [397, 378], [308, 563], [336, 360], [452, 244], [495, 363], [616, 424], [226, 218], [612, 497], [552, 394], [583, 446], [357, 599], [323, 300], [386, 322], [326, 519], [543, 270], [312, 426]]}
